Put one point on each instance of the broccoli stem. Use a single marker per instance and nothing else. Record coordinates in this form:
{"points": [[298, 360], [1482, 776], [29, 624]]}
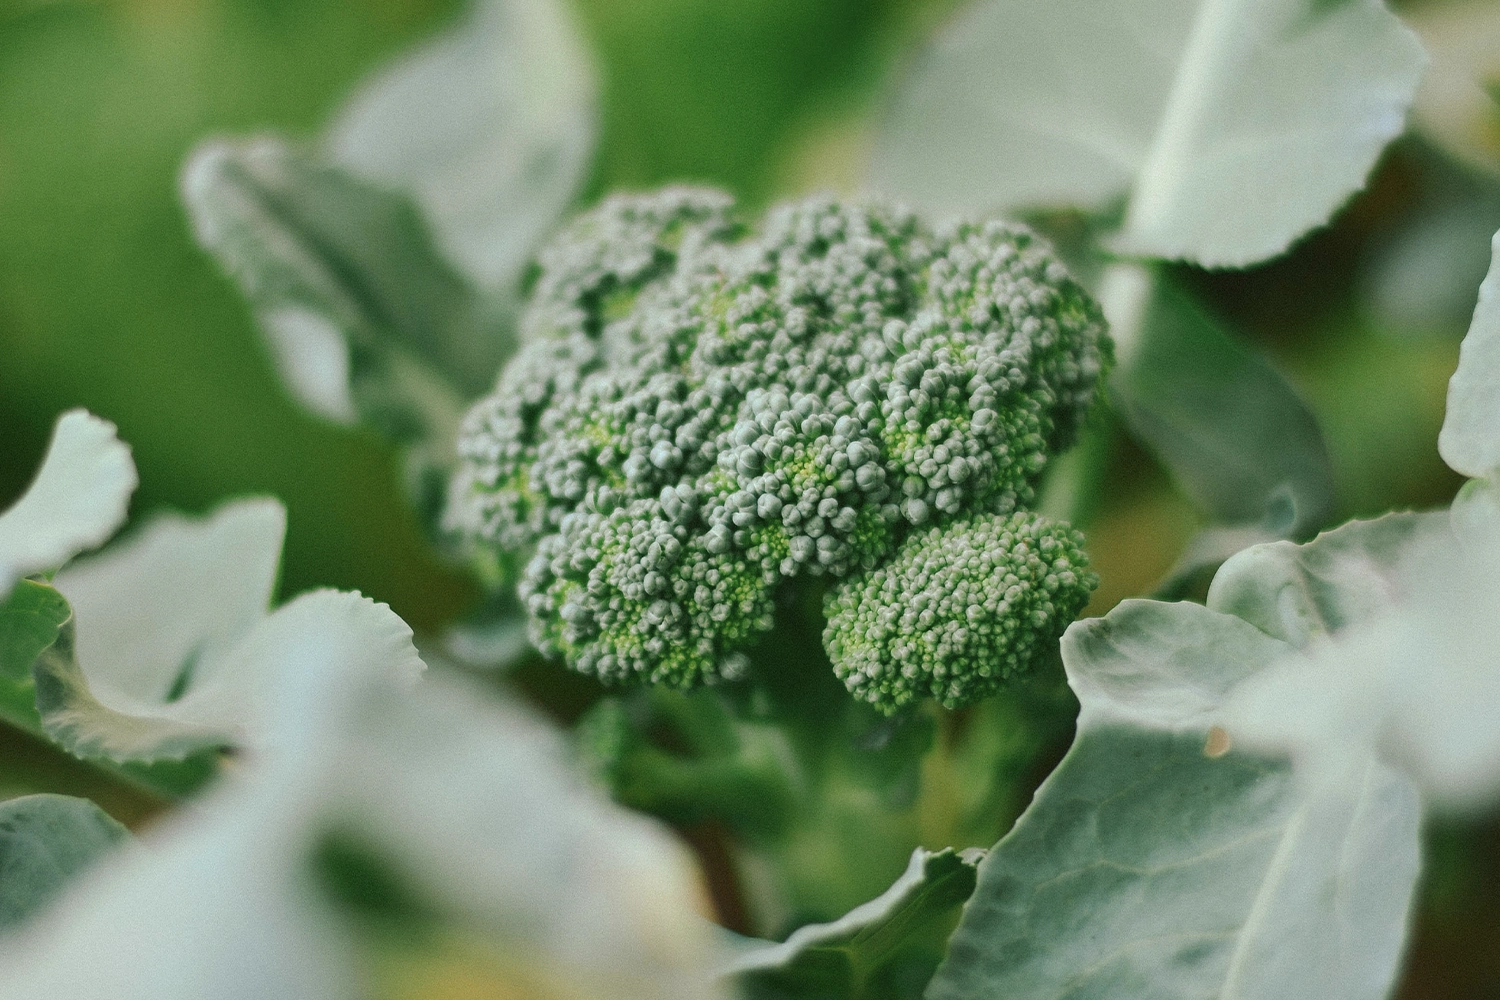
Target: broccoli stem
{"points": [[822, 797]]}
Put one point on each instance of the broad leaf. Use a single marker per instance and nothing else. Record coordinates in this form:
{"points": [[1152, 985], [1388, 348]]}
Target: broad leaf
{"points": [[1344, 577], [490, 127], [1470, 439], [1231, 127], [228, 699], [155, 612], [1410, 676], [465, 809], [76, 502], [172, 649], [1233, 433], [47, 841], [364, 318], [887, 947], [1154, 863]]}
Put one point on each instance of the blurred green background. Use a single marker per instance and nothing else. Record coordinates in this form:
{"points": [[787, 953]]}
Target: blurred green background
{"points": [[105, 302]]}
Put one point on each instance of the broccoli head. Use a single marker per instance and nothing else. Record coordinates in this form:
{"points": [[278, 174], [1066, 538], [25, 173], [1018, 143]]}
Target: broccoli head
{"points": [[703, 410]]}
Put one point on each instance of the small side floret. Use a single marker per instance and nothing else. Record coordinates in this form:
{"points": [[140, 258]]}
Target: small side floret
{"points": [[958, 611]]}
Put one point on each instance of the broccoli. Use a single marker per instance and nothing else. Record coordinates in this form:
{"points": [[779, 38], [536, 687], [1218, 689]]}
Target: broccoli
{"points": [[703, 411]]}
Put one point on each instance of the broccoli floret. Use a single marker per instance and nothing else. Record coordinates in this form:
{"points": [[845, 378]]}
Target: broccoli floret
{"points": [[702, 411], [958, 610]]}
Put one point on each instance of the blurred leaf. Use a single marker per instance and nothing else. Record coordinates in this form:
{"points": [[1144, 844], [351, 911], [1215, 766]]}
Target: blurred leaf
{"points": [[1231, 430], [1455, 106], [1152, 863], [1232, 126], [1422, 282], [365, 320], [887, 947], [1470, 439], [29, 621], [1402, 609], [141, 672], [464, 810], [45, 842], [1410, 677], [172, 651], [1344, 577], [77, 501], [490, 127], [492, 636]]}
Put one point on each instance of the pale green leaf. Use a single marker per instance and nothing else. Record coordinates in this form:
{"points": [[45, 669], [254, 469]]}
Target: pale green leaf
{"points": [[1348, 576], [1156, 665], [887, 947], [1406, 669], [156, 612], [1230, 127], [365, 320], [46, 841], [231, 694], [490, 127], [1226, 424], [468, 805], [76, 502], [1153, 864], [1470, 439]]}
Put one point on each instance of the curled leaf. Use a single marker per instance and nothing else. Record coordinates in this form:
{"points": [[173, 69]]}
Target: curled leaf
{"points": [[76, 502], [172, 650]]}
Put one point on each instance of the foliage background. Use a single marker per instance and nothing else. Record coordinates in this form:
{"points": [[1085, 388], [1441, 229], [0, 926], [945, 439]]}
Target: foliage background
{"points": [[105, 302]]}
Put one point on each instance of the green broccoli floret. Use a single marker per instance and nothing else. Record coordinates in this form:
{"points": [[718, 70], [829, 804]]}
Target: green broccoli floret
{"points": [[702, 411], [958, 610]]}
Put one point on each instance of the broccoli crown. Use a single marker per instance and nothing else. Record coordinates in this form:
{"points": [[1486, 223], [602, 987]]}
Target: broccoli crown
{"points": [[958, 610], [702, 410]]}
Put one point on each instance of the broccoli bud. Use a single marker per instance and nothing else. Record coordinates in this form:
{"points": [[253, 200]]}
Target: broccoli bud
{"points": [[958, 610], [702, 411]]}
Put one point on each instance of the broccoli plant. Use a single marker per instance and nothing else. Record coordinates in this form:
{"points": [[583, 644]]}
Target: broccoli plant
{"points": [[703, 412], [775, 511]]}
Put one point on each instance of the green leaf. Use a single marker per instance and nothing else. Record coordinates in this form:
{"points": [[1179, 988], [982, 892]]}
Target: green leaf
{"points": [[145, 671], [364, 318], [1153, 864], [380, 799], [231, 696], [1231, 127], [29, 621], [490, 127], [46, 841], [1470, 439], [887, 947], [1345, 577], [1403, 667], [1227, 425], [77, 501], [172, 650]]}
